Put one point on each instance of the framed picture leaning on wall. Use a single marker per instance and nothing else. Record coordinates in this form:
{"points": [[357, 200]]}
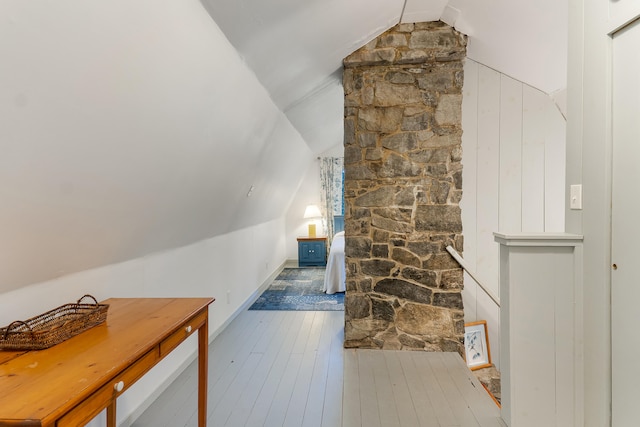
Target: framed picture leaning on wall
{"points": [[476, 345]]}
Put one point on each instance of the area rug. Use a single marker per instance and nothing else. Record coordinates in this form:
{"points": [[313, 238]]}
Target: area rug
{"points": [[299, 289]]}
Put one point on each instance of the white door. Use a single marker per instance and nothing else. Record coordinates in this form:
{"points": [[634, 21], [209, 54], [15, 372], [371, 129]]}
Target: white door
{"points": [[625, 234]]}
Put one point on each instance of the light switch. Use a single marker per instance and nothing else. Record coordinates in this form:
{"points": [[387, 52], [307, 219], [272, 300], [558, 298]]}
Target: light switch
{"points": [[575, 197]]}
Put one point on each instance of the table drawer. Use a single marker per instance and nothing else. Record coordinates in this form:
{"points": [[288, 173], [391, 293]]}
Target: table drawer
{"points": [[94, 404], [186, 329]]}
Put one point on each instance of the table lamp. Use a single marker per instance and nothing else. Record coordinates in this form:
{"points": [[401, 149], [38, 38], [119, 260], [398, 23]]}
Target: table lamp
{"points": [[312, 212]]}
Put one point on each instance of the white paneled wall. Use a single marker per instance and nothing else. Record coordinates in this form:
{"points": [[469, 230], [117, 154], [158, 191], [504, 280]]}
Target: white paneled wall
{"points": [[513, 176]]}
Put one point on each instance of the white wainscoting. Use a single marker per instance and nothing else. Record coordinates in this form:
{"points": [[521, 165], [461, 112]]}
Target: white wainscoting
{"points": [[513, 176], [541, 311]]}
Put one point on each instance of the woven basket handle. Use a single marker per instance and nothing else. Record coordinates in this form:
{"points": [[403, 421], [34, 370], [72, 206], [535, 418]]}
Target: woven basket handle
{"points": [[16, 322], [90, 296]]}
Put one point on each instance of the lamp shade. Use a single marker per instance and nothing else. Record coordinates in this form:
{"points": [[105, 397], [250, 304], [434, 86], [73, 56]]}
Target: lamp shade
{"points": [[312, 211]]}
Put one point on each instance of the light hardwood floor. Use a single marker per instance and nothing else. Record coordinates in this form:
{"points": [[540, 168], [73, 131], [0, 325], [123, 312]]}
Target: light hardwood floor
{"points": [[287, 368]]}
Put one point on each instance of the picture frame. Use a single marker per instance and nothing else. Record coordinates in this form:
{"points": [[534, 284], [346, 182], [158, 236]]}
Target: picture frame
{"points": [[476, 345]]}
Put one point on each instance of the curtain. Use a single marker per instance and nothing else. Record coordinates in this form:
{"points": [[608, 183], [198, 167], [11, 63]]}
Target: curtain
{"points": [[331, 199]]}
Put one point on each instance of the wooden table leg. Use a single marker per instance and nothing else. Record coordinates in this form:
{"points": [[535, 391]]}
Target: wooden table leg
{"points": [[111, 414], [203, 376]]}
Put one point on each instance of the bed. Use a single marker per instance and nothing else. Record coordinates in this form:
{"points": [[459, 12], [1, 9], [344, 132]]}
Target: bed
{"points": [[335, 274]]}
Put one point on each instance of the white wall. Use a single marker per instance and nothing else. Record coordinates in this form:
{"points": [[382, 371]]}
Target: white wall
{"points": [[589, 148], [238, 263], [130, 128], [308, 194], [513, 176], [132, 133]]}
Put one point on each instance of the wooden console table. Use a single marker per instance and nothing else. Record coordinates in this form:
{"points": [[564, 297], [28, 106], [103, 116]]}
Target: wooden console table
{"points": [[72, 382]]}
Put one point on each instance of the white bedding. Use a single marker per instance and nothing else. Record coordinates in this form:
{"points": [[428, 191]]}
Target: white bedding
{"points": [[335, 275]]}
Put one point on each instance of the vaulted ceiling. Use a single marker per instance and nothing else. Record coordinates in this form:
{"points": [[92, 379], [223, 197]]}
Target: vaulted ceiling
{"points": [[296, 48], [132, 127]]}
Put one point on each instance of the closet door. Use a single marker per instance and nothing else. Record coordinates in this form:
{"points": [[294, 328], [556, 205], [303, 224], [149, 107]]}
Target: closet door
{"points": [[625, 233]]}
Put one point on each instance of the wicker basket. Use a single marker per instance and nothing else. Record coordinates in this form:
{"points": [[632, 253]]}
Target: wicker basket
{"points": [[53, 327]]}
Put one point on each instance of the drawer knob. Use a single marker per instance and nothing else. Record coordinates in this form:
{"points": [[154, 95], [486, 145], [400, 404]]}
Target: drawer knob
{"points": [[188, 329], [118, 386]]}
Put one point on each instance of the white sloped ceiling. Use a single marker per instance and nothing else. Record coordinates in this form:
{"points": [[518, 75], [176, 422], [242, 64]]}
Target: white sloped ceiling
{"points": [[525, 39], [296, 47], [128, 127], [296, 50]]}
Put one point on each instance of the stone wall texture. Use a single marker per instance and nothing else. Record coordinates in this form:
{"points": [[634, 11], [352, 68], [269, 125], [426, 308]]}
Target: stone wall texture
{"points": [[403, 185]]}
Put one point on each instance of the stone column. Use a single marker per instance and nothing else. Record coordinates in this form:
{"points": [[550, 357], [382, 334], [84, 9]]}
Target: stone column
{"points": [[403, 185]]}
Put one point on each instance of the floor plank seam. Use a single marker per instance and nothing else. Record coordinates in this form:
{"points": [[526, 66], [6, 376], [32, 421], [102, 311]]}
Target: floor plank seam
{"points": [[290, 368]]}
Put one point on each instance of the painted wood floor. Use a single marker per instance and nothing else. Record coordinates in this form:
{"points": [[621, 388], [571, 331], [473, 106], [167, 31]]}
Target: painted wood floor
{"points": [[288, 368]]}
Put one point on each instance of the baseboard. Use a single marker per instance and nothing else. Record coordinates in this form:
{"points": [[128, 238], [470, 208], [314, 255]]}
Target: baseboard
{"points": [[136, 413], [291, 263]]}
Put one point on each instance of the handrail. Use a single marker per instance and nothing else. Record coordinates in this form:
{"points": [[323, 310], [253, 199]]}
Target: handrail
{"points": [[465, 266]]}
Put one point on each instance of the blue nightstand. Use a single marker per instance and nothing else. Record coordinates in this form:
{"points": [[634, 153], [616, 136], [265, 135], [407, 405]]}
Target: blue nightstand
{"points": [[312, 251]]}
